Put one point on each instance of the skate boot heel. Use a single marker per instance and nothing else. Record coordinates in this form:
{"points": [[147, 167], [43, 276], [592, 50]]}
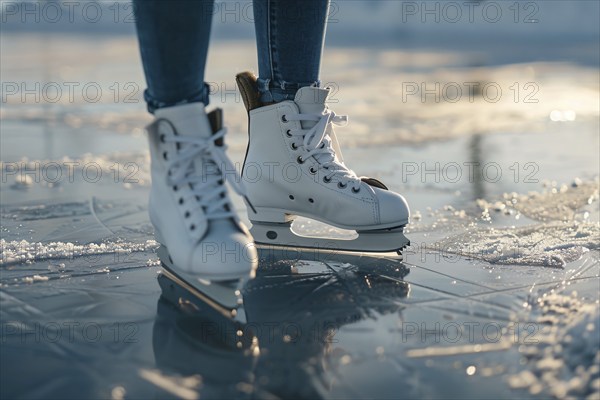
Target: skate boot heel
{"points": [[270, 215]]}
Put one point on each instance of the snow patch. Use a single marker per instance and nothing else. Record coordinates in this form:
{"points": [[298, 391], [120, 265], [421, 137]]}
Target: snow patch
{"points": [[565, 361], [19, 252], [561, 226], [555, 203], [551, 245]]}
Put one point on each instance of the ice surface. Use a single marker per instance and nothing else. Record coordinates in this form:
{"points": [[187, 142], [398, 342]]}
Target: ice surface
{"points": [[548, 228]]}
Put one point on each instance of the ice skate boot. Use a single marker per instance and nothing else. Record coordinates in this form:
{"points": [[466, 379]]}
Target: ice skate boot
{"points": [[294, 167], [189, 204]]}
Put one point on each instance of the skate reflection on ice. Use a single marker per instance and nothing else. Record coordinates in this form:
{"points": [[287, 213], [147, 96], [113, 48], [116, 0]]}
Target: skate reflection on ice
{"points": [[294, 308], [208, 345], [192, 291]]}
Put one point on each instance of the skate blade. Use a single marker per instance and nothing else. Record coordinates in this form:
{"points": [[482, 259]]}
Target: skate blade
{"points": [[376, 241], [222, 296]]}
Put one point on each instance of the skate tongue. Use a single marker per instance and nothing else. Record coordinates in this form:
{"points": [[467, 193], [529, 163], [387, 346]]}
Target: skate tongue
{"points": [[191, 120], [311, 100], [188, 119]]}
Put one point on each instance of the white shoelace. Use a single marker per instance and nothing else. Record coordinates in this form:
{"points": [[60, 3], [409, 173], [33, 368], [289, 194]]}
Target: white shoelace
{"points": [[317, 143], [208, 189]]}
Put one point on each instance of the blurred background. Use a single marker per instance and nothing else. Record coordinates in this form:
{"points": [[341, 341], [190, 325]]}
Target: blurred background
{"points": [[75, 65]]}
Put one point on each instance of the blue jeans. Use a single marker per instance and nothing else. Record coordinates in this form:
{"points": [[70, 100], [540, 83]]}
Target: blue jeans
{"points": [[174, 37]]}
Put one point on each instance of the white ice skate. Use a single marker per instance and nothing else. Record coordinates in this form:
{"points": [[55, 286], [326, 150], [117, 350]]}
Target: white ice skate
{"points": [[294, 167], [189, 205]]}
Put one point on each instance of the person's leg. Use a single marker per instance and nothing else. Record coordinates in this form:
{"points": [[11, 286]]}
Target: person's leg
{"points": [[289, 39], [189, 205], [173, 37], [291, 123]]}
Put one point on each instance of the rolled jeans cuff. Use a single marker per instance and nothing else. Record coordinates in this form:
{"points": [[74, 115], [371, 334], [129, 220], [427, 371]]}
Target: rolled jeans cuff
{"points": [[274, 92], [154, 103]]}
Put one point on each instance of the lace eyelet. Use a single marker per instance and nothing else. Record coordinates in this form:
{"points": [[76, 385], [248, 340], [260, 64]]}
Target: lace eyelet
{"points": [[162, 138], [355, 190], [165, 155], [310, 200], [326, 179], [342, 185], [294, 147], [322, 146], [192, 227], [300, 160], [175, 188], [313, 170], [288, 133], [187, 214], [181, 201], [284, 119]]}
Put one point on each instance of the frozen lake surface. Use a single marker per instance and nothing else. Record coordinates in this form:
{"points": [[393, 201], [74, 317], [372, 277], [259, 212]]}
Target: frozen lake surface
{"points": [[497, 297]]}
